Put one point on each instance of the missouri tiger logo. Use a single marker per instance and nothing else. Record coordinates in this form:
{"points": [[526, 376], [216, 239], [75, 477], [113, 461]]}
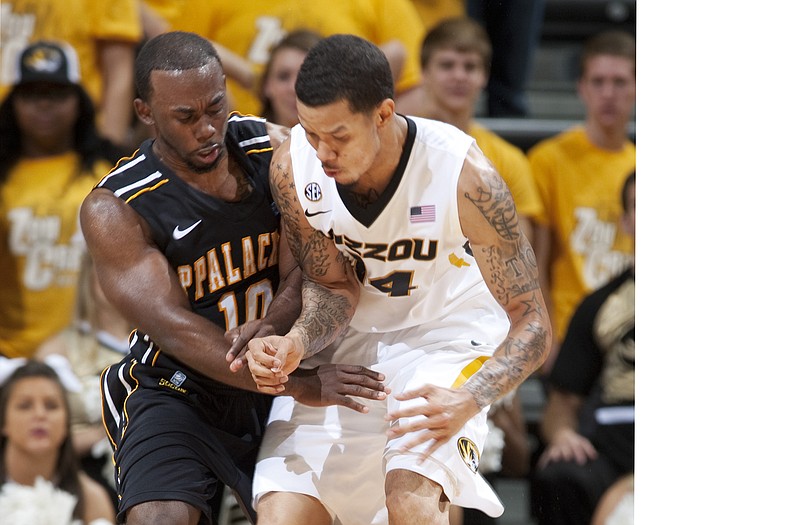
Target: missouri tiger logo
{"points": [[469, 453], [44, 60]]}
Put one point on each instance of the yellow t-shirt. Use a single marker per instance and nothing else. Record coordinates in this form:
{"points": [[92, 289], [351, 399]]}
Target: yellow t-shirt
{"points": [[250, 29], [580, 187], [512, 165], [434, 11], [42, 249], [80, 23], [169, 10]]}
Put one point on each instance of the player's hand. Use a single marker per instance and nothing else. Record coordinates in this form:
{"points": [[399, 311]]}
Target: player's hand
{"points": [[271, 359], [445, 411], [239, 336], [329, 384], [568, 445]]}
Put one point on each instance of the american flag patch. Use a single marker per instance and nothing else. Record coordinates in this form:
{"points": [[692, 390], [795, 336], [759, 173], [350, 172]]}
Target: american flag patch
{"points": [[422, 213]]}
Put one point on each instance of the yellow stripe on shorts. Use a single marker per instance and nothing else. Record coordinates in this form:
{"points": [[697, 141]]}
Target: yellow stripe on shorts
{"points": [[469, 370]]}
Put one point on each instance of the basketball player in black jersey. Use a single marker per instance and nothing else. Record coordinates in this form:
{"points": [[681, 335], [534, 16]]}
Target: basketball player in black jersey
{"points": [[185, 240]]}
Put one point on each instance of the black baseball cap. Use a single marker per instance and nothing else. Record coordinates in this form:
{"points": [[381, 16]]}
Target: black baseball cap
{"points": [[45, 61]]}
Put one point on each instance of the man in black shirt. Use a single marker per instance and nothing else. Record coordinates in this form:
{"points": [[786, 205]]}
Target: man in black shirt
{"points": [[594, 372]]}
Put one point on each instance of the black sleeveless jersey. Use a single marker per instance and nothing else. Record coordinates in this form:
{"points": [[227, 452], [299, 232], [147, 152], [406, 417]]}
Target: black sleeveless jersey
{"points": [[225, 253]]}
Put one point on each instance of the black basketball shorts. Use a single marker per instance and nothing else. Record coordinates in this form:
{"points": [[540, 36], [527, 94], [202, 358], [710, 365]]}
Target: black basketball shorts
{"points": [[175, 433]]}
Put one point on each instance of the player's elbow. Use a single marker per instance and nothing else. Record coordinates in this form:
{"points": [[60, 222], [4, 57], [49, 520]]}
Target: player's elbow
{"points": [[540, 341]]}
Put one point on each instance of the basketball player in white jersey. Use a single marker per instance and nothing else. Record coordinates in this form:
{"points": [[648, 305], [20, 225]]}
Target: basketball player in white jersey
{"points": [[415, 266]]}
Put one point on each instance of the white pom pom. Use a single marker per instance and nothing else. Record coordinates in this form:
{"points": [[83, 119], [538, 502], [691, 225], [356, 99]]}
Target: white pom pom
{"points": [[41, 504]]}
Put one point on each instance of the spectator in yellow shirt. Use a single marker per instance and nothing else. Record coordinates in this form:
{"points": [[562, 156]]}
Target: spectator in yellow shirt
{"points": [[455, 59], [578, 174], [104, 34]]}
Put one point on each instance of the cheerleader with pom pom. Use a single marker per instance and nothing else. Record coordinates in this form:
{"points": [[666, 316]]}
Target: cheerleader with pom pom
{"points": [[43, 484]]}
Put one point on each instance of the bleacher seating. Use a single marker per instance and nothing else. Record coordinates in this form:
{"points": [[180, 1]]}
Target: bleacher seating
{"points": [[576, 20], [553, 71]]}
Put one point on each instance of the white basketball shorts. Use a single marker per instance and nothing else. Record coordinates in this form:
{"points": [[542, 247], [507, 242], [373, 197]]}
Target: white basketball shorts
{"points": [[341, 457]]}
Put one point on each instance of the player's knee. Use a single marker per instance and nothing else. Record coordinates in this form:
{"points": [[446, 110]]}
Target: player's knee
{"points": [[289, 508], [409, 490], [162, 512]]}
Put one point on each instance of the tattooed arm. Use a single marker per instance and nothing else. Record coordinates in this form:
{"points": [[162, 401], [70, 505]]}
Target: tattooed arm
{"points": [[329, 292], [508, 265], [489, 220]]}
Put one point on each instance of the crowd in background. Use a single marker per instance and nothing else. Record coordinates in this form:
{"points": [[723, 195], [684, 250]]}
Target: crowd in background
{"points": [[66, 117]]}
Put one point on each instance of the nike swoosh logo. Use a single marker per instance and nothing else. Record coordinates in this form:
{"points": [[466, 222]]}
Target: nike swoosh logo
{"points": [[178, 234], [311, 214]]}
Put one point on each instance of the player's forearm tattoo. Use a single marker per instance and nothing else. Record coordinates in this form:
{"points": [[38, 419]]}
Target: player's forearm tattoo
{"points": [[514, 361], [325, 315], [511, 273], [495, 203]]}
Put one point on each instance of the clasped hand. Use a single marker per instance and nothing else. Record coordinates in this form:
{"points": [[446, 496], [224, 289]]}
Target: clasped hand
{"points": [[269, 357], [270, 360]]}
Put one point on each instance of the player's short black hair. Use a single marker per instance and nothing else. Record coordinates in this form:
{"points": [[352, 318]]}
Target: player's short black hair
{"points": [[345, 67], [173, 51]]}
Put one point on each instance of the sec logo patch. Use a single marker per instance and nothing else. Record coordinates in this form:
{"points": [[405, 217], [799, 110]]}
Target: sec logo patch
{"points": [[313, 192], [469, 453]]}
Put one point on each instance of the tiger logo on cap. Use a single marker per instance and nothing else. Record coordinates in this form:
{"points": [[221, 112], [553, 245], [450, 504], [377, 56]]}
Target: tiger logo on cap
{"points": [[44, 60]]}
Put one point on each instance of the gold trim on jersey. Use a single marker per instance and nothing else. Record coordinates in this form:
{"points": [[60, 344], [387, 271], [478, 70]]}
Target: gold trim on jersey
{"points": [[265, 150], [145, 190]]}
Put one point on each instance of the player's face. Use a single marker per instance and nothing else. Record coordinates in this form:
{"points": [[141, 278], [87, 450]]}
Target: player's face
{"points": [[279, 85], [454, 79], [46, 113], [189, 112], [608, 89], [346, 143], [36, 416]]}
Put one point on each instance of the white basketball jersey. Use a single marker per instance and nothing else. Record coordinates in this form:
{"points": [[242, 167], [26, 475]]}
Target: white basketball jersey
{"points": [[409, 252]]}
